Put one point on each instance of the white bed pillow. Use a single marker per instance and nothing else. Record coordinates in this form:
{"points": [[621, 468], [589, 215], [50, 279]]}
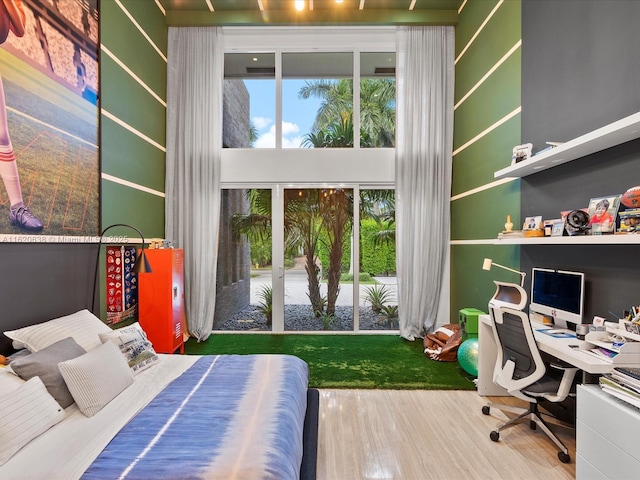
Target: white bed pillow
{"points": [[134, 345], [44, 364], [26, 413], [97, 377], [83, 326], [9, 381]]}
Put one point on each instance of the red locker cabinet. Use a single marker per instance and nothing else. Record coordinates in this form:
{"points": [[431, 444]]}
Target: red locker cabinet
{"points": [[161, 299]]}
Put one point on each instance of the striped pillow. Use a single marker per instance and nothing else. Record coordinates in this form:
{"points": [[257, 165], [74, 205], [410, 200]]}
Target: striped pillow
{"points": [[97, 377], [25, 413], [83, 326]]}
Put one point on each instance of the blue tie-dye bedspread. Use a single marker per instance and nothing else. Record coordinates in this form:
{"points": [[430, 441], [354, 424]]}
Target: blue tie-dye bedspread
{"points": [[227, 417]]}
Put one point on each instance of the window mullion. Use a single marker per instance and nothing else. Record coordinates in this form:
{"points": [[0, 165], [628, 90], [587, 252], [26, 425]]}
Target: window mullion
{"points": [[278, 99], [356, 99]]}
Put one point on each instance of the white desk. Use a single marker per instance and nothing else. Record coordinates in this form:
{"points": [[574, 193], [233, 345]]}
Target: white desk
{"points": [[557, 347]]}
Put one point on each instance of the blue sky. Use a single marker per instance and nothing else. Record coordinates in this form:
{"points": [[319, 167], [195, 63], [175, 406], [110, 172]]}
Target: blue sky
{"points": [[297, 115]]}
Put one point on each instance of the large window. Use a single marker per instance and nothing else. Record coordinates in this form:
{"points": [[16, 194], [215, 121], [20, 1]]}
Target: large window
{"points": [[309, 124], [315, 92]]}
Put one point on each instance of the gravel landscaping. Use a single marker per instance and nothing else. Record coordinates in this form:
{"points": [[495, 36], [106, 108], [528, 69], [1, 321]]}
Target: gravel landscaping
{"points": [[300, 318]]}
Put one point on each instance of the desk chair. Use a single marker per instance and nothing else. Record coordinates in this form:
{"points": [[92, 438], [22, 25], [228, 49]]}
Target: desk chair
{"points": [[521, 371]]}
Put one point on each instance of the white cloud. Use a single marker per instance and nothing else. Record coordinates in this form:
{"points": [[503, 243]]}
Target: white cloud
{"points": [[289, 137], [289, 128], [261, 122]]}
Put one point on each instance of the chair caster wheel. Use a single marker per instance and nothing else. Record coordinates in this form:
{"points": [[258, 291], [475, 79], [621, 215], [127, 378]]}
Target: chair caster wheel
{"points": [[532, 425], [486, 410], [495, 436], [564, 457]]}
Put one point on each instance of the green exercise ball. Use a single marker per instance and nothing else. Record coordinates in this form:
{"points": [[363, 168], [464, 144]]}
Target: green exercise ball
{"points": [[468, 356]]}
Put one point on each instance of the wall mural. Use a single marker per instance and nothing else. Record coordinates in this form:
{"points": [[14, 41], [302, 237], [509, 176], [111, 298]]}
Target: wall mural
{"points": [[49, 156]]}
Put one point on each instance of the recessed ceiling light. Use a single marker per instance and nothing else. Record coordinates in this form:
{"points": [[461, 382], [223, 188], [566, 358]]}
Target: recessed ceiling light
{"points": [[299, 5], [255, 59]]}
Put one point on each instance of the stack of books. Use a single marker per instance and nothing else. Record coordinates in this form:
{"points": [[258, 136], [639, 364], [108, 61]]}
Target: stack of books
{"points": [[511, 234], [623, 383]]}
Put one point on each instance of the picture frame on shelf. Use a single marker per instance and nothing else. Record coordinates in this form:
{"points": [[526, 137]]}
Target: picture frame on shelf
{"points": [[532, 223], [521, 153], [602, 214], [629, 221], [557, 229]]}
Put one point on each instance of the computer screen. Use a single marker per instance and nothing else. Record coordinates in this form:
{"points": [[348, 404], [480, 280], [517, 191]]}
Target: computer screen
{"points": [[558, 294]]}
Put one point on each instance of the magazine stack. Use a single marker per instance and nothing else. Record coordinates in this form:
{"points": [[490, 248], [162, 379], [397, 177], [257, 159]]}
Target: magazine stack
{"points": [[623, 383]]}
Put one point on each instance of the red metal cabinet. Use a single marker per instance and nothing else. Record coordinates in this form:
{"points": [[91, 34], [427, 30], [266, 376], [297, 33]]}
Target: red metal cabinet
{"points": [[161, 299]]}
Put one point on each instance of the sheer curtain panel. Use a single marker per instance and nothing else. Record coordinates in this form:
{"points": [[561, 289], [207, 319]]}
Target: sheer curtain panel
{"points": [[423, 171], [195, 64]]}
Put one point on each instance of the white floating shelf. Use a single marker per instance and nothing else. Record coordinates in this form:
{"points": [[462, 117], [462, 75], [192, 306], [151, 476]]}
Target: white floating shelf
{"points": [[615, 133], [629, 239]]}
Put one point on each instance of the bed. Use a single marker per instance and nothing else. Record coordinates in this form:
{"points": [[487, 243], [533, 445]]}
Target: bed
{"points": [[138, 415]]}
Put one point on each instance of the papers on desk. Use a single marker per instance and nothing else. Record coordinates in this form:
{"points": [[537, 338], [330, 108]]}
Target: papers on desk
{"points": [[556, 333], [619, 388]]}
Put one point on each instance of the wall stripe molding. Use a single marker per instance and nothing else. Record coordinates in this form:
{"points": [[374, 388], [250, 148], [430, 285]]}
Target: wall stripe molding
{"points": [[480, 28], [133, 75], [125, 125], [126, 183], [489, 241], [462, 6], [482, 188], [504, 58], [488, 130], [144, 34], [164, 12]]}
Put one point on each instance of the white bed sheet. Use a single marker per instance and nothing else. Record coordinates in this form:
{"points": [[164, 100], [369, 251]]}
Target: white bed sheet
{"points": [[66, 450]]}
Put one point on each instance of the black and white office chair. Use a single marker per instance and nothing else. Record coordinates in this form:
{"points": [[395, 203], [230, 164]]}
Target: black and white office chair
{"points": [[521, 371]]}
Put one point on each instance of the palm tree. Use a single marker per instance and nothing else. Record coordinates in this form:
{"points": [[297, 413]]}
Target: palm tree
{"points": [[302, 224], [377, 107]]}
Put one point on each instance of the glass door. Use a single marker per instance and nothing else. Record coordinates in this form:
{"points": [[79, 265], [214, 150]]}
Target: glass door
{"points": [[318, 226], [289, 261]]}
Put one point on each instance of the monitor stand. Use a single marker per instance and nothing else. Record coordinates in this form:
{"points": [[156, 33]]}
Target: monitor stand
{"points": [[558, 323]]}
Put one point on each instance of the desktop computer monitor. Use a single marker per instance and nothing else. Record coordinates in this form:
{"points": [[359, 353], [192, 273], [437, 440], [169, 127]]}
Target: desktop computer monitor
{"points": [[557, 294]]}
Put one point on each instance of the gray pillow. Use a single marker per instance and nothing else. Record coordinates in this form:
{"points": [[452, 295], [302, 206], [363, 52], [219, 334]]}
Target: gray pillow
{"points": [[44, 364]]}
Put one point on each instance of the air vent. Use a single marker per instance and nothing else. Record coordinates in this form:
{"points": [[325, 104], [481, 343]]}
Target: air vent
{"points": [[261, 70], [385, 71]]}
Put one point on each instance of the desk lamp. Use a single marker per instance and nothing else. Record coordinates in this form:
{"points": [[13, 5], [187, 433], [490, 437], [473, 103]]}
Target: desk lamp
{"points": [[486, 265], [141, 265]]}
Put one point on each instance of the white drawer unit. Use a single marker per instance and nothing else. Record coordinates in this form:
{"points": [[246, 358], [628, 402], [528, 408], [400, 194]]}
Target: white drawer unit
{"points": [[607, 435]]}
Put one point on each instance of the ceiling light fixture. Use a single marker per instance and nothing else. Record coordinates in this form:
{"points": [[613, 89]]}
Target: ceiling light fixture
{"points": [[299, 5]]}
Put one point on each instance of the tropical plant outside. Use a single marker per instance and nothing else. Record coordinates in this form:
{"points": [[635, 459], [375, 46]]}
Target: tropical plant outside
{"points": [[377, 296], [265, 304], [390, 315]]}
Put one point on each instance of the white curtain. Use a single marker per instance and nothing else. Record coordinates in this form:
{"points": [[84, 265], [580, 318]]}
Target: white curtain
{"points": [[423, 171], [194, 146]]}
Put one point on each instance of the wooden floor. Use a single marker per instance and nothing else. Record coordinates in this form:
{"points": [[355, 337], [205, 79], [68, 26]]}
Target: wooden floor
{"points": [[418, 435]]}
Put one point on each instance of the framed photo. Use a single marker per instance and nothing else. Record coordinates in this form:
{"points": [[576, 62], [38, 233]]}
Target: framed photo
{"points": [[557, 229], [521, 152], [532, 223], [602, 214]]}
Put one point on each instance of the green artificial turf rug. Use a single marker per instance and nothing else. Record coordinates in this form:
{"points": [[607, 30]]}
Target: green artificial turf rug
{"points": [[348, 361]]}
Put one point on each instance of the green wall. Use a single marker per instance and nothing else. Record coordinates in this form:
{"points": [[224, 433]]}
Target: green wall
{"points": [[133, 73], [133, 85], [486, 128]]}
